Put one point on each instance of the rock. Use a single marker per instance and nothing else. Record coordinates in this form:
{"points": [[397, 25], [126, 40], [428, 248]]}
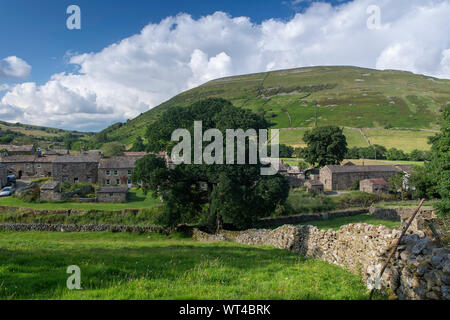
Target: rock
{"points": [[420, 245], [445, 290], [432, 296]]}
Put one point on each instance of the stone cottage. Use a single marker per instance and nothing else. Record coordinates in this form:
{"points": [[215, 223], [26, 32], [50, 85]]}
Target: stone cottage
{"points": [[116, 171], [343, 177], [3, 175], [374, 186], [314, 186], [116, 194], [13, 150], [75, 169], [22, 166]]}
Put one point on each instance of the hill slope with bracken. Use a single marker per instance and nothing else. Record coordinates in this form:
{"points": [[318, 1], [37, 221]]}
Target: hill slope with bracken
{"points": [[392, 108]]}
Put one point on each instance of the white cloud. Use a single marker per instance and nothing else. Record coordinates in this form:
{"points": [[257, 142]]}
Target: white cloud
{"points": [[139, 72], [14, 67]]}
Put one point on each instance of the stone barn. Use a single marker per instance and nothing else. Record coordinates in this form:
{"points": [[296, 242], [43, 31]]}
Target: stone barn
{"points": [[343, 177], [50, 192], [314, 186], [112, 194], [3, 175], [75, 169], [26, 150], [374, 186]]}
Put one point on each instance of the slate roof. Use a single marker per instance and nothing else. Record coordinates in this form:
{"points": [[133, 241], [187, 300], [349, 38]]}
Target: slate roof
{"points": [[351, 169], [49, 186], [314, 183], [135, 154], [377, 181], [75, 159], [117, 189], [405, 167], [61, 152], [12, 148], [18, 159], [118, 163]]}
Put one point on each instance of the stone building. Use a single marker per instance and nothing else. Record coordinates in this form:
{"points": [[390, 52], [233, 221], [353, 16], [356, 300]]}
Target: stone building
{"points": [[3, 175], [50, 191], [19, 150], [343, 177], [43, 166], [22, 166], [116, 171], [57, 152], [374, 186], [112, 194], [314, 186], [75, 169]]}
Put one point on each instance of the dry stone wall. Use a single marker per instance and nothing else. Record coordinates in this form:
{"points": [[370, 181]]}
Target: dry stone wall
{"points": [[419, 269]]}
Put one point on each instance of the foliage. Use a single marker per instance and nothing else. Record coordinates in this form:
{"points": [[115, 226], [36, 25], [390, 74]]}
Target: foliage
{"points": [[138, 145], [397, 183], [112, 149], [395, 154], [361, 199], [326, 146], [235, 194], [286, 151]]}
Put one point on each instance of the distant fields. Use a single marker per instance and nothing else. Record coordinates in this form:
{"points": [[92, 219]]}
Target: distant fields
{"points": [[127, 266]]}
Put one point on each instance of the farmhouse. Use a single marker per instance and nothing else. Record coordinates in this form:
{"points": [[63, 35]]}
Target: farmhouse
{"points": [[374, 186], [75, 169], [20, 165], [3, 175], [112, 194], [116, 171], [19, 150], [343, 177]]}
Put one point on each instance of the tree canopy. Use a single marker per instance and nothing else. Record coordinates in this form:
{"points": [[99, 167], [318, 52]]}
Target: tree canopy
{"points": [[325, 146], [211, 194]]}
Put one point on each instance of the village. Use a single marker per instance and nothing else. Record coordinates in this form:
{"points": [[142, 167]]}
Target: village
{"points": [[113, 174]]}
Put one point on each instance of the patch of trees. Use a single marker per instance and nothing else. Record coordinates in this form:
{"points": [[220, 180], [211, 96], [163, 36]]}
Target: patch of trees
{"points": [[433, 179], [212, 195], [378, 152]]}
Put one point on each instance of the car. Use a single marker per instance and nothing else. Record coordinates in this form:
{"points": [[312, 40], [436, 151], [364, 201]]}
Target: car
{"points": [[11, 178], [7, 191]]}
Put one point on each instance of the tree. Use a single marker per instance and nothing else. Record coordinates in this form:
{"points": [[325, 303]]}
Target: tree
{"points": [[138, 145], [214, 194], [112, 149], [326, 145], [395, 154], [69, 139], [396, 183], [439, 165], [286, 151]]}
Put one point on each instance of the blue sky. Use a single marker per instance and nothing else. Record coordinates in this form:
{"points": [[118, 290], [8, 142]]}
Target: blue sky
{"points": [[35, 30], [130, 56]]}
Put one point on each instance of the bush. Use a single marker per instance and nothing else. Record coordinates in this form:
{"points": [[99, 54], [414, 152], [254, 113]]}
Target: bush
{"points": [[361, 199]]}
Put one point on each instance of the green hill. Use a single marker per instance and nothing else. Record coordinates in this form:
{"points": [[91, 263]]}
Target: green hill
{"points": [[405, 103]]}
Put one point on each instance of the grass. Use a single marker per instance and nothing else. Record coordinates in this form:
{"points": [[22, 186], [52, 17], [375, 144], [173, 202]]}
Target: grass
{"points": [[127, 266], [405, 140], [336, 223], [136, 200]]}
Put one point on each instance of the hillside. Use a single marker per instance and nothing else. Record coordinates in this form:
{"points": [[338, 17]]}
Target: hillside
{"points": [[18, 133], [357, 98]]}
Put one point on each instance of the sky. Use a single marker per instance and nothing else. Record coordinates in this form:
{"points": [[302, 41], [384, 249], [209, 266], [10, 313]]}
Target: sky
{"points": [[130, 56]]}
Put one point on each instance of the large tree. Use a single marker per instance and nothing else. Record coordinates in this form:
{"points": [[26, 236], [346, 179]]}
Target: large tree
{"points": [[215, 194], [326, 146]]}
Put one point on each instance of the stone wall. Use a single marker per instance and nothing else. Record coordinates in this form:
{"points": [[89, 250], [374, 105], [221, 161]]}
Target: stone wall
{"points": [[79, 228], [419, 269], [267, 222]]}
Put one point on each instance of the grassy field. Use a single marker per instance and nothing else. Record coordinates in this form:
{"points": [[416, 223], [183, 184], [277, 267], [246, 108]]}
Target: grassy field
{"points": [[136, 200], [336, 223], [126, 266], [405, 140]]}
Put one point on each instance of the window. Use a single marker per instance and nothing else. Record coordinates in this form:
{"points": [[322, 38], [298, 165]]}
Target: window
{"points": [[108, 173], [117, 181], [111, 195], [108, 182], [75, 180], [128, 181], [28, 166], [65, 178], [89, 179], [116, 173], [39, 165], [129, 172]]}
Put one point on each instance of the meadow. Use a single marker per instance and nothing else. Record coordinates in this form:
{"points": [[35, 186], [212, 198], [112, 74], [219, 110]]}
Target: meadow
{"points": [[129, 266]]}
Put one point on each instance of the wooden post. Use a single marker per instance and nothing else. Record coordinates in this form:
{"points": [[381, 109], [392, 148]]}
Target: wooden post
{"points": [[398, 243]]}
